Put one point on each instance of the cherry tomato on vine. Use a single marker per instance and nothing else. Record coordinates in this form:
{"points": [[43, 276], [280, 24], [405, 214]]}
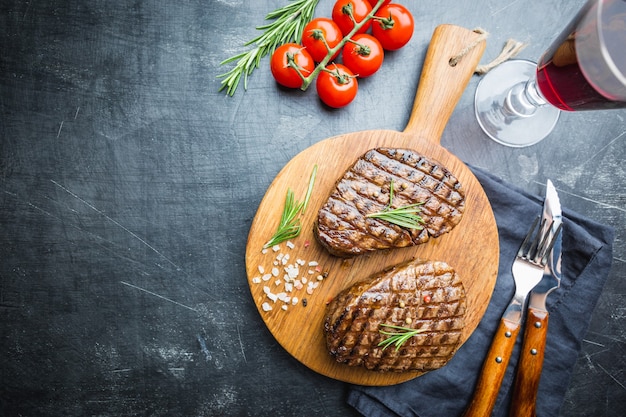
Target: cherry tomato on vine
{"points": [[373, 2], [319, 33], [363, 54], [393, 26], [359, 9], [284, 73], [336, 85]]}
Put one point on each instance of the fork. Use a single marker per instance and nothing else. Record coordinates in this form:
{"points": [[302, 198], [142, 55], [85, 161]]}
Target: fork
{"points": [[527, 271]]}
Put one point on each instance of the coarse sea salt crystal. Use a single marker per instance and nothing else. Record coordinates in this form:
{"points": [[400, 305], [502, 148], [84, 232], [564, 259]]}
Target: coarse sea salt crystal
{"points": [[300, 262], [290, 245], [284, 307], [275, 272], [266, 306], [275, 248], [261, 269], [292, 271], [288, 286], [256, 280], [294, 300], [266, 277], [313, 263]]}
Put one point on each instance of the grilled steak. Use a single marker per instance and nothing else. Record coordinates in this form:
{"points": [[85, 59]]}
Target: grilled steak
{"points": [[417, 295], [342, 226]]}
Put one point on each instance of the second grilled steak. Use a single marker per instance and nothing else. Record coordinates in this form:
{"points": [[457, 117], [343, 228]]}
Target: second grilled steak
{"points": [[342, 226], [418, 295]]}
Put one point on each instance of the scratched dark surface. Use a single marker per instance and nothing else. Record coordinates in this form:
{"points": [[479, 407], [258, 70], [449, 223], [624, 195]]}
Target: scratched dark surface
{"points": [[128, 184]]}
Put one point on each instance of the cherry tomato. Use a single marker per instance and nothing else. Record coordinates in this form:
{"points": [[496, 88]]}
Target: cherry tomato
{"points": [[283, 72], [359, 9], [318, 31], [363, 55], [393, 26], [336, 85], [373, 2]]}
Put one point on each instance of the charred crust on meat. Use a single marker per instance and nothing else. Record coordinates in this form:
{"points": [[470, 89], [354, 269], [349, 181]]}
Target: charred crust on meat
{"points": [[353, 319], [342, 225]]}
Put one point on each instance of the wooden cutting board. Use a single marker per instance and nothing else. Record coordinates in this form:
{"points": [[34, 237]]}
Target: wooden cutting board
{"points": [[471, 248]]}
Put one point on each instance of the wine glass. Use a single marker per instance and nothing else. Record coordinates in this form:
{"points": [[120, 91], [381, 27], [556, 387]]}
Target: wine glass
{"points": [[518, 103]]}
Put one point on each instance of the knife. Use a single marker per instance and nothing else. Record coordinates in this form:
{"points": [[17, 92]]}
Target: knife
{"points": [[504, 340], [536, 329]]}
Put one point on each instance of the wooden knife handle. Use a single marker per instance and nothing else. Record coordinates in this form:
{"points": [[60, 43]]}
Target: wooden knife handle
{"points": [[493, 371], [530, 364]]}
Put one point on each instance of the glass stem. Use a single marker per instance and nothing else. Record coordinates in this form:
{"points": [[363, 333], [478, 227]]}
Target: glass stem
{"points": [[523, 99]]}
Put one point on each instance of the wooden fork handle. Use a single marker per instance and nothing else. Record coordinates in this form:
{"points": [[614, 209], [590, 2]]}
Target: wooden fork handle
{"points": [[493, 371], [530, 364]]}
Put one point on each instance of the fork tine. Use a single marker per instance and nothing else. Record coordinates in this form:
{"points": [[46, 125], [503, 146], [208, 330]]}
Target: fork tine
{"points": [[546, 252], [542, 238], [523, 249], [536, 247]]}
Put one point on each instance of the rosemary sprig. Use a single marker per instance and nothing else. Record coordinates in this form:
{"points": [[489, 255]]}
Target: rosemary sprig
{"points": [[405, 216], [397, 338], [289, 21], [289, 226]]}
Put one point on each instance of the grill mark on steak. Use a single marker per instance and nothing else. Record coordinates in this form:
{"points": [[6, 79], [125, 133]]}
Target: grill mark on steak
{"points": [[442, 188], [353, 318], [342, 226]]}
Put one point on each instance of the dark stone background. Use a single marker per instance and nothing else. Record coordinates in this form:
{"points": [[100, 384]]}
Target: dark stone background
{"points": [[128, 184]]}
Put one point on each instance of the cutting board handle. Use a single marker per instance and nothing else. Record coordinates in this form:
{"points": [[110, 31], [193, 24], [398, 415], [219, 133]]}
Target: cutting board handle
{"points": [[442, 84]]}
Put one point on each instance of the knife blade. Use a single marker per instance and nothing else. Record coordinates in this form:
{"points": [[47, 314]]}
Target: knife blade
{"points": [[526, 385], [525, 275]]}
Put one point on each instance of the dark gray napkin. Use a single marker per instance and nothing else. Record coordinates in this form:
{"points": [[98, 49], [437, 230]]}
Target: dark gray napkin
{"points": [[586, 261]]}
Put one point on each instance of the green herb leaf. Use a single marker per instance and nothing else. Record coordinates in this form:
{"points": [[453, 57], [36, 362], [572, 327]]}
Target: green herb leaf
{"points": [[289, 21], [289, 226], [309, 190], [405, 216], [397, 338]]}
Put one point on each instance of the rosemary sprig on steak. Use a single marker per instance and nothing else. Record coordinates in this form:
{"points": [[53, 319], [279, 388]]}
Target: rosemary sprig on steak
{"points": [[405, 216], [356, 318], [397, 338], [342, 226], [289, 226]]}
